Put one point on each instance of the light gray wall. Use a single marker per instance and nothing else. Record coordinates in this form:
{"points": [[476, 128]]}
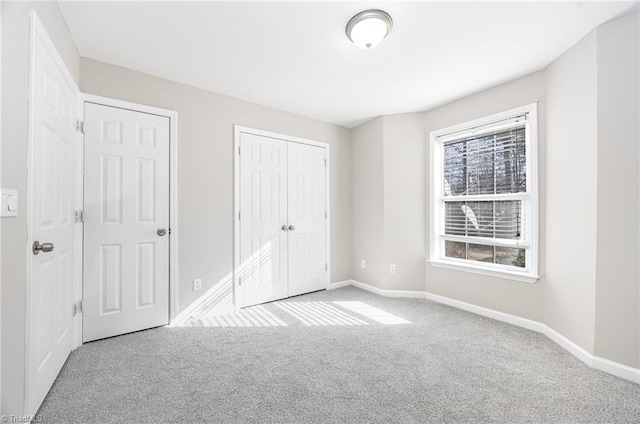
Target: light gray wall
{"points": [[205, 169], [572, 159], [617, 277], [404, 146], [15, 74], [512, 297], [368, 202], [388, 201]]}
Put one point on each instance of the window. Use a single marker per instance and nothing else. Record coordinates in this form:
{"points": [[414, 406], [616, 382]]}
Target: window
{"points": [[484, 195]]}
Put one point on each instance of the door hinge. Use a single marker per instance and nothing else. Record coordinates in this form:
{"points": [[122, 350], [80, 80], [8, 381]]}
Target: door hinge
{"points": [[78, 216], [325, 163], [239, 281], [326, 215], [80, 126], [77, 308], [238, 151], [238, 216], [326, 267]]}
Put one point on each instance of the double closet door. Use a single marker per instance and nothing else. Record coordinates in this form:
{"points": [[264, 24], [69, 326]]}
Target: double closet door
{"points": [[283, 219]]}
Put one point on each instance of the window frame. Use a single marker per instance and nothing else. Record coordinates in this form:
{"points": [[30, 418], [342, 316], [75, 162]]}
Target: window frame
{"points": [[437, 257]]}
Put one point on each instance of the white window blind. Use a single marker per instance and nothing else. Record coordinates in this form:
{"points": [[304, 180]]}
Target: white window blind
{"points": [[484, 201]]}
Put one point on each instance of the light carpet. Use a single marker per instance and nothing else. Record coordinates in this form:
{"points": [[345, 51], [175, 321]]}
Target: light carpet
{"points": [[342, 356]]}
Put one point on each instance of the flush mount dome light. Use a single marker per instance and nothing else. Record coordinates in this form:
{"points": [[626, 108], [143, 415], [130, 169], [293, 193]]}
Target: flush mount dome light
{"points": [[367, 29]]}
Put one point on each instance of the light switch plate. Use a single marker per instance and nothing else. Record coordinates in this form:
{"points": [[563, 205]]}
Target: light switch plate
{"points": [[9, 202]]}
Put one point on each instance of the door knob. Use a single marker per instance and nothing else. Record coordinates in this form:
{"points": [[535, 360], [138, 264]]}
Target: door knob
{"points": [[44, 247], [284, 228], [162, 232], [291, 228]]}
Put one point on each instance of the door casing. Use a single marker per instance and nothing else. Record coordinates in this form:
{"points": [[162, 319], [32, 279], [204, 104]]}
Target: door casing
{"points": [[237, 130]]}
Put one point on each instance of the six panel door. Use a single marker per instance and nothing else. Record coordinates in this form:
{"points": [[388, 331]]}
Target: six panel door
{"points": [[52, 194], [262, 270], [126, 197], [283, 239], [307, 218]]}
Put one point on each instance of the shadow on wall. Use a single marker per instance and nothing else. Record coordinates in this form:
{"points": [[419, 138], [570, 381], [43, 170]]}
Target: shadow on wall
{"points": [[218, 298], [256, 273], [215, 308]]}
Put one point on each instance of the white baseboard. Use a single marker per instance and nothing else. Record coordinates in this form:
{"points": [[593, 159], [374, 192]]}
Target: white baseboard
{"points": [[339, 284], [388, 293], [617, 369], [602, 364], [571, 347], [489, 313]]}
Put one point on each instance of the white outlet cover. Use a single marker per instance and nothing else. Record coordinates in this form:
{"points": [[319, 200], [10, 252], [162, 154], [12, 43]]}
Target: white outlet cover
{"points": [[197, 284], [392, 268], [363, 264]]}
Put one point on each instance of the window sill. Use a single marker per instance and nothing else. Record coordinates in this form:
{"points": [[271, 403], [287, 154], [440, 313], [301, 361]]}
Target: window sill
{"points": [[517, 276]]}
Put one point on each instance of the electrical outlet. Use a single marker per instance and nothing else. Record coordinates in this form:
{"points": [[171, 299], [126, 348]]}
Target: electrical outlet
{"points": [[197, 284], [363, 264], [392, 268]]}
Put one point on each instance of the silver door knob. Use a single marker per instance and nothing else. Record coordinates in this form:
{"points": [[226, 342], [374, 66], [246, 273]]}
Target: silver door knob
{"points": [[284, 228], [291, 228], [44, 247], [162, 232]]}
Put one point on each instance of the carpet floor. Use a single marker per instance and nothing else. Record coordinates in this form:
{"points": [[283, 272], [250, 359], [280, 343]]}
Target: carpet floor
{"points": [[341, 356]]}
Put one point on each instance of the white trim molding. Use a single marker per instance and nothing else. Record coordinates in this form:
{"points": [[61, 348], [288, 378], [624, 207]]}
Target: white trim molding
{"points": [[409, 294], [610, 367], [614, 368], [339, 284], [571, 347], [486, 312]]}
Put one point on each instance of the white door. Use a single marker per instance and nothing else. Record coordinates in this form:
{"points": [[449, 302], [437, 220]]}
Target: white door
{"points": [[263, 220], [126, 230], [282, 236], [51, 198], [307, 219]]}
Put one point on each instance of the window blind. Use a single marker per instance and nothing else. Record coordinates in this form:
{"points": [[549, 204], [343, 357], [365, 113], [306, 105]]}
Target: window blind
{"points": [[484, 205], [491, 163]]}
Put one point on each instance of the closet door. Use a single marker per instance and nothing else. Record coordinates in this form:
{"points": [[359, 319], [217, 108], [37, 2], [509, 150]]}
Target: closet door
{"points": [[307, 218], [262, 269]]}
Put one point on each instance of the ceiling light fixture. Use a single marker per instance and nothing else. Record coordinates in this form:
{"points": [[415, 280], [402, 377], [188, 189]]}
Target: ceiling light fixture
{"points": [[367, 29]]}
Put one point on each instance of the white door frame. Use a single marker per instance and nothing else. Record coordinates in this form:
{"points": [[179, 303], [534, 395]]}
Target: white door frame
{"points": [[38, 31], [173, 187], [237, 130]]}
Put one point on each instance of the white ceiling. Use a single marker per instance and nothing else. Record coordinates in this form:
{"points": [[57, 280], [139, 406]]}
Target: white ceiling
{"points": [[294, 56]]}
